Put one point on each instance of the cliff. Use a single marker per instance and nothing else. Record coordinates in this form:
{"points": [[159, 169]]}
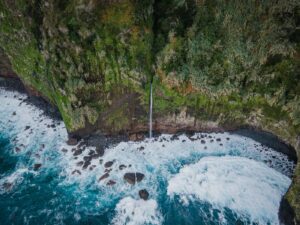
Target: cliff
{"points": [[214, 64]]}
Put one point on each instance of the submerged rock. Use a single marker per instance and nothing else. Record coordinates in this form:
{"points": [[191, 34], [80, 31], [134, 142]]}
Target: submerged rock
{"points": [[133, 178], [37, 166], [111, 183], [104, 176], [144, 194]]}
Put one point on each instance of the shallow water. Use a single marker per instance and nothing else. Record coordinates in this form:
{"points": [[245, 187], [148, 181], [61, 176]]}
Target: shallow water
{"points": [[189, 182]]}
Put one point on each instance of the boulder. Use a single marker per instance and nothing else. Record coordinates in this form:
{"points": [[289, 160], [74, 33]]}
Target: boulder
{"points": [[144, 194], [133, 178], [37, 166], [108, 164]]}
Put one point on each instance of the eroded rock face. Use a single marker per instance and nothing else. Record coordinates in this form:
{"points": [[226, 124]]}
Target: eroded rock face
{"points": [[5, 66]]}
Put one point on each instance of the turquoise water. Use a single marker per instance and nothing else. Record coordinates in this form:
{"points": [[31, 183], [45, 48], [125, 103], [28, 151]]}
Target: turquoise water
{"points": [[238, 182]]}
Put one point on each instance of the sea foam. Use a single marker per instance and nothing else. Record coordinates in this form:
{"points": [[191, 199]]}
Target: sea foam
{"points": [[245, 186]]}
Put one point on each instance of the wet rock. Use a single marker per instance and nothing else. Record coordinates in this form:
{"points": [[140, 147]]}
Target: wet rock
{"points": [[87, 158], [211, 141], [218, 139], [144, 194], [64, 150], [7, 186], [227, 138], [101, 161], [133, 178], [100, 151], [203, 141], [17, 149], [95, 156], [14, 113], [86, 164], [37, 166], [221, 144], [91, 152], [80, 163], [27, 128], [77, 152], [108, 164], [104, 176], [136, 137], [107, 170], [76, 171], [72, 141], [205, 147], [183, 140], [111, 183], [121, 167]]}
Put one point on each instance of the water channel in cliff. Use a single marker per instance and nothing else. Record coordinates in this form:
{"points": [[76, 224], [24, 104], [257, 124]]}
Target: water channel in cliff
{"points": [[216, 178]]}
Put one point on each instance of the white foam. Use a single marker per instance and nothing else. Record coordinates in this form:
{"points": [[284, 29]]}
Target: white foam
{"points": [[245, 186], [137, 212]]}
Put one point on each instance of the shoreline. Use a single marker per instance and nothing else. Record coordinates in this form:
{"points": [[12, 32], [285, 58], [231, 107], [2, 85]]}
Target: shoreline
{"points": [[97, 139], [286, 212]]}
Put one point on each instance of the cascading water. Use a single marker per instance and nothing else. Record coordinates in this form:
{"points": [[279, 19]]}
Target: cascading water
{"points": [[150, 111], [216, 178]]}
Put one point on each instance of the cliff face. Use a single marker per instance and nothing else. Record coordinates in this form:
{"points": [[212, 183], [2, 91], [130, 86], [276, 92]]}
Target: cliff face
{"points": [[213, 63]]}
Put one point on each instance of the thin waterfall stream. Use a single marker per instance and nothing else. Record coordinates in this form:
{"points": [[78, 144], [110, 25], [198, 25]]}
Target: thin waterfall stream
{"points": [[150, 111]]}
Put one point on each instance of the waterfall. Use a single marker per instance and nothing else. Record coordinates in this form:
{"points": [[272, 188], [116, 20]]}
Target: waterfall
{"points": [[150, 111]]}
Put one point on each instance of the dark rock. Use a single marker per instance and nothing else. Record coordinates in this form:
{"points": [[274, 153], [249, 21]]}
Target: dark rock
{"points": [[221, 144], [80, 163], [132, 178], [227, 138], [100, 151], [121, 167], [27, 128], [218, 139], [86, 164], [183, 140], [211, 141], [111, 183], [76, 171], [107, 170], [72, 141], [104, 176], [205, 147], [64, 150], [37, 166], [203, 142], [17, 149], [108, 164], [14, 113], [87, 158], [91, 152], [144, 194], [77, 152]]}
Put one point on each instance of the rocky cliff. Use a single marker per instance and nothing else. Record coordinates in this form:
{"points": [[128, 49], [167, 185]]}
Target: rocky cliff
{"points": [[214, 64]]}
